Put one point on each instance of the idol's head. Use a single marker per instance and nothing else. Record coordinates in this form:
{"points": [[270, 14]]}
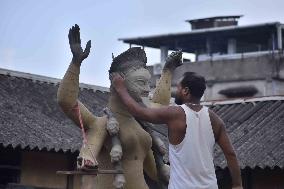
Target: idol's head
{"points": [[132, 65]]}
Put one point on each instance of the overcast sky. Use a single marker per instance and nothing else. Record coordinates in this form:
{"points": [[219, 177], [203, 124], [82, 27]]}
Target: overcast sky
{"points": [[33, 33]]}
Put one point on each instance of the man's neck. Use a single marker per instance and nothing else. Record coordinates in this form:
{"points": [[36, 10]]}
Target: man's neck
{"points": [[194, 104]]}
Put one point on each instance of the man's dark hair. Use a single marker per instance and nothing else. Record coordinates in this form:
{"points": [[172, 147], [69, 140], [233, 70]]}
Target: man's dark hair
{"points": [[195, 83]]}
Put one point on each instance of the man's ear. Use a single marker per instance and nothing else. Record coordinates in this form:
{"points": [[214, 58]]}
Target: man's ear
{"points": [[186, 90]]}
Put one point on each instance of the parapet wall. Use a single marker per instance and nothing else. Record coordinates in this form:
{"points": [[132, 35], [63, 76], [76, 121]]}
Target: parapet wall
{"points": [[251, 68]]}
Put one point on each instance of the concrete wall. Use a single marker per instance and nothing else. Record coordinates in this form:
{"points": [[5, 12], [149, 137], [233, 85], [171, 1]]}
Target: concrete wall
{"points": [[264, 72], [39, 169], [212, 92], [264, 87], [251, 68]]}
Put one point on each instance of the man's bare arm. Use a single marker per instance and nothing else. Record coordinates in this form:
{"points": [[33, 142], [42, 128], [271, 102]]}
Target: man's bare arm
{"points": [[224, 142], [153, 115]]}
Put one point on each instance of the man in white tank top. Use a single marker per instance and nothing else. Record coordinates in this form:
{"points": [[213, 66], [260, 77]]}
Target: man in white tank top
{"points": [[193, 130]]}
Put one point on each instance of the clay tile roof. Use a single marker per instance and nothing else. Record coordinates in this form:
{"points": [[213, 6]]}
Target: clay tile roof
{"points": [[256, 129], [30, 117]]}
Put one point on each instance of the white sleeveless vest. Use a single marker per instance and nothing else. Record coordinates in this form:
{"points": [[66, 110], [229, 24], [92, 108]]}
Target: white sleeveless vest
{"points": [[191, 161]]}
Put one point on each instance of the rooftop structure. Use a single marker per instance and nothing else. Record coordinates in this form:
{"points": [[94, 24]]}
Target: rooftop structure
{"points": [[213, 22], [229, 56], [217, 42]]}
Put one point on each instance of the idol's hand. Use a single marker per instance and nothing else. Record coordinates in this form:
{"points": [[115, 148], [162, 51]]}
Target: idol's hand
{"points": [[173, 61], [75, 45]]}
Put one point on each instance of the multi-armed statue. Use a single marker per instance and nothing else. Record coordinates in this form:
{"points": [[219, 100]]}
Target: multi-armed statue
{"points": [[117, 140]]}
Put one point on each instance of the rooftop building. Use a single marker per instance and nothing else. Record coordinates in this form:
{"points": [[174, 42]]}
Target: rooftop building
{"points": [[237, 61]]}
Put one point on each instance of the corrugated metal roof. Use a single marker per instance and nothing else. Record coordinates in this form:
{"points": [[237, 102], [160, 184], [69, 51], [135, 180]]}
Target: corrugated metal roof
{"points": [[30, 117]]}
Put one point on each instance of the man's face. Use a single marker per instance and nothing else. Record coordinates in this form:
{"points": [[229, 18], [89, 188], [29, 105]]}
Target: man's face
{"points": [[178, 95]]}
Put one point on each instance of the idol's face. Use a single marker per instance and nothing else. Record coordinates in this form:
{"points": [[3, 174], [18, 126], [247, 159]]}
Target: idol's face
{"points": [[137, 83]]}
